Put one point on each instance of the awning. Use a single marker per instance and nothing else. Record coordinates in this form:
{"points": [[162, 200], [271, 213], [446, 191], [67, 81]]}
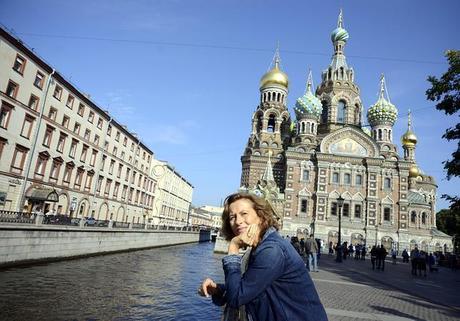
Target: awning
{"points": [[43, 194]]}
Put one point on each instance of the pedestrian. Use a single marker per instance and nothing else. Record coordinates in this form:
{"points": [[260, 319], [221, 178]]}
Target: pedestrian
{"points": [[393, 256], [273, 285], [302, 247], [373, 256], [331, 248], [414, 255], [431, 262], [421, 266], [363, 252], [405, 256], [311, 250], [382, 253]]}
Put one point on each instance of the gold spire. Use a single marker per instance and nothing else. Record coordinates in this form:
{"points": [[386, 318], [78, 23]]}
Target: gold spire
{"points": [[409, 139], [275, 76]]}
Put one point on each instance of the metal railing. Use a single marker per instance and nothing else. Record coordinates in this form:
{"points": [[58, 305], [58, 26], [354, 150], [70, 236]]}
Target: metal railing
{"points": [[40, 219]]}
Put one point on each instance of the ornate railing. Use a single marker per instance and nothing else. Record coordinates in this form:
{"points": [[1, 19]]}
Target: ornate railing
{"points": [[40, 219]]}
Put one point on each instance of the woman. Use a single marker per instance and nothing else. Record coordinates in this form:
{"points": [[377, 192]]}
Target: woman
{"points": [[275, 284]]}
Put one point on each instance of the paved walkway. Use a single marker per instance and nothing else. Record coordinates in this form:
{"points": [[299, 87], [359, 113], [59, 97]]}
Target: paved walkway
{"points": [[353, 291]]}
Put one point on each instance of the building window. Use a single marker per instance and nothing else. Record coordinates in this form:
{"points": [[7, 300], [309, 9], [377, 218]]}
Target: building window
{"points": [[92, 160], [334, 208], [76, 128], [112, 164], [61, 142], [359, 180], [91, 117], [387, 183], [73, 148], [100, 122], [99, 184], [41, 165], [65, 121], [27, 126], [125, 141], [123, 192], [115, 150], [70, 100], [55, 168], [386, 214], [357, 210], [335, 178], [57, 92], [117, 136], [48, 136], [303, 206], [109, 130], [104, 158], [89, 180], [127, 174], [305, 175], [52, 113], [87, 134], [122, 155], [423, 218], [108, 184], [19, 157], [33, 102], [84, 151], [78, 178], [67, 174], [19, 64], [81, 109], [341, 107], [96, 139], [115, 190], [5, 115], [12, 89], [346, 209], [413, 216], [120, 168], [347, 179], [39, 78]]}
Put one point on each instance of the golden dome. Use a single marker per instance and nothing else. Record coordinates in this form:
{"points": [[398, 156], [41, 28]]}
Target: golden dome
{"points": [[414, 171], [274, 77], [409, 138]]}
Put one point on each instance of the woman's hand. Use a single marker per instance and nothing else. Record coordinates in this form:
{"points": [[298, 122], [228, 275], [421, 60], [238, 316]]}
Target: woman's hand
{"points": [[208, 287], [250, 237]]}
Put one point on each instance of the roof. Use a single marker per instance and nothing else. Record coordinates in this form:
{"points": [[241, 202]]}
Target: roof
{"points": [[416, 198]]}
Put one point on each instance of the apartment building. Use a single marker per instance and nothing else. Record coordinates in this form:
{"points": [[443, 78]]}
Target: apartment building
{"points": [[60, 152]]}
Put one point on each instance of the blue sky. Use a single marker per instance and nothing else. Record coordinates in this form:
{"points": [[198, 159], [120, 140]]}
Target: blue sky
{"points": [[184, 74]]}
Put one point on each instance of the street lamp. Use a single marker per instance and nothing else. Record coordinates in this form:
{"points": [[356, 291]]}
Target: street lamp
{"points": [[340, 201]]}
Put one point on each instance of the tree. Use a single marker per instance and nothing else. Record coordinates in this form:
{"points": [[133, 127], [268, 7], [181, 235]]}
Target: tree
{"points": [[446, 91], [448, 221]]}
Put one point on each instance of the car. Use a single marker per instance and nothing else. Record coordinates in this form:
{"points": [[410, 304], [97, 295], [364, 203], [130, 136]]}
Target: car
{"points": [[75, 221], [90, 221]]}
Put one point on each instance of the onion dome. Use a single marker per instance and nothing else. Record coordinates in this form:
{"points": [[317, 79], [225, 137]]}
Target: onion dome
{"points": [[275, 76], [339, 34], [383, 111], [414, 171], [409, 138], [308, 105]]}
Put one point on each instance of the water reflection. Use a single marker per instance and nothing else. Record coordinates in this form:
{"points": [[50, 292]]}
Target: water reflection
{"points": [[156, 284]]}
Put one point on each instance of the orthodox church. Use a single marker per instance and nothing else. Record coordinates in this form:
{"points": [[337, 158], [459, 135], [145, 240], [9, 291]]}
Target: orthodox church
{"points": [[303, 166]]}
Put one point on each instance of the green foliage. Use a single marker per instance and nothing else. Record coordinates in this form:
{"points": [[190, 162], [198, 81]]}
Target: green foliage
{"points": [[448, 221], [446, 91]]}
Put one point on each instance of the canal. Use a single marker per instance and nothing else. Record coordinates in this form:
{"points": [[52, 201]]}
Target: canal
{"points": [[155, 284]]}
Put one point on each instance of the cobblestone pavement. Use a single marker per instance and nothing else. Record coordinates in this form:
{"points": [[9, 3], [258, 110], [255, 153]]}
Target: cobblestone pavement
{"points": [[353, 291]]}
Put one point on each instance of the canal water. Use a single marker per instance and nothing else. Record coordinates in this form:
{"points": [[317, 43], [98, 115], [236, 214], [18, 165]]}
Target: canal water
{"points": [[155, 284]]}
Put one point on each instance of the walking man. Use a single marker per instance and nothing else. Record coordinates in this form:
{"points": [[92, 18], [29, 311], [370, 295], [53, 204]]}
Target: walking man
{"points": [[311, 249]]}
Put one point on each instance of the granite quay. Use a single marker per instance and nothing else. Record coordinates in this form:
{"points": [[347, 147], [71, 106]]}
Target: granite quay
{"points": [[26, 238]]}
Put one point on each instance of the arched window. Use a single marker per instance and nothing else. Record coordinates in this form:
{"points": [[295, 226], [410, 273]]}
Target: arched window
{"points": [[413, 216], [335, 178], [423, 218], [387, 183], [389, 134], [347, 179], [265, 97], [259, 123], [306, 175], [312, 128], [303, 127], [271, 124], [278, 97], [380, 134], [356, 115], [269, 96], [359, 180], [324, 112], [341, 112], [386, 214]]}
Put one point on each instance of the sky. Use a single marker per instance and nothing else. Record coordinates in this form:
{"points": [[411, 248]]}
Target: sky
{"points": [[184, 74]]}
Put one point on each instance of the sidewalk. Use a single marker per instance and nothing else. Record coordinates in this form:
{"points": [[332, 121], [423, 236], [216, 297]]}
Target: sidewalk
{"points": [[353, 287]]}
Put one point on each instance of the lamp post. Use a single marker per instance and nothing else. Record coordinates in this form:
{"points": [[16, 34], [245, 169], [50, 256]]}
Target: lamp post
{"points": [[340, 201]]}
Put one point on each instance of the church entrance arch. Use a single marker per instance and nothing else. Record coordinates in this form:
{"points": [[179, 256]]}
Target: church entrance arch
{"points": [[357, 238], [103, 211], [62, 204], [413, 245], [120, 214], [387, 243], [333, 237], [83, 208]]}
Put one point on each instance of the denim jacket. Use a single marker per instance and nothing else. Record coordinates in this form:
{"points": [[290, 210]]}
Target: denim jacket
{"points": [[276, 285]]}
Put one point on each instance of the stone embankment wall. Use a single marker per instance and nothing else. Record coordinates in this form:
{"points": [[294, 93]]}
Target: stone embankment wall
{"points": [[21, 244]]}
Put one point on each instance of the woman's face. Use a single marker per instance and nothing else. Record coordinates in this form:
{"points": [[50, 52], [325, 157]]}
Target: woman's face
{"points": [[242, 214]]}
